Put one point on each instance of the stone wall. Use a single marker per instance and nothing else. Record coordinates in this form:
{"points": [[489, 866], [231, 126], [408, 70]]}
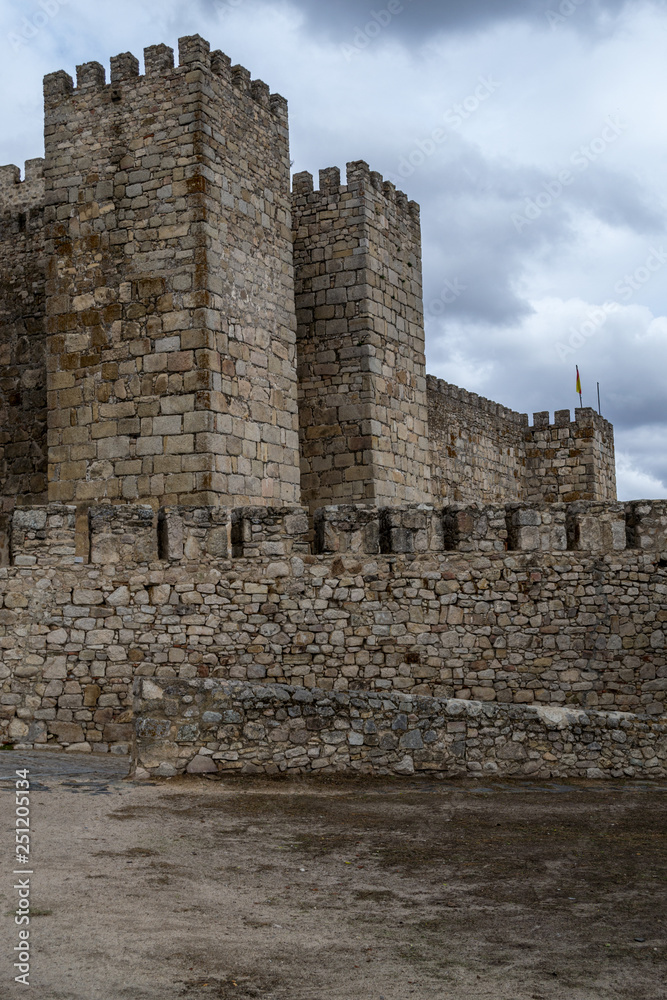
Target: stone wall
{"points": [[21, 195], [218, 727], [171, 317], [482, 603], [481, 450], [23, 416], [151, 271], [570, 460], [362, 381], [478, 449]]}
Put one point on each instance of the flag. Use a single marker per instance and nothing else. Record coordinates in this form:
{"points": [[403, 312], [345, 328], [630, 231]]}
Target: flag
{"points": [[578, 382]]}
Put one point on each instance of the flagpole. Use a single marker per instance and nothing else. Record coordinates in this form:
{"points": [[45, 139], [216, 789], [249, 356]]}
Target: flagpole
{"points": [[599, 407]]}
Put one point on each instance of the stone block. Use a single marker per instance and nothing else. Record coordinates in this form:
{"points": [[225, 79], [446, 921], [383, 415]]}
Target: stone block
{"points": [[475, 527], [202, 764], [404, 530], [44, 536], [269, 531], [596, 527], [194, 533], [347, 528], [66, 732], [539, 528], [118, 732], [647, 525], [122, 535]]}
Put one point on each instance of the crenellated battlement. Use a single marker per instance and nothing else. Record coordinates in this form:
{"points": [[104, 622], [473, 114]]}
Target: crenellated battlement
{"points": [[487, 528], [480, 449], [584, 417], [454, 395], [21, 195], [570, 460], [130, 535], [362, 183], [159, 68]]}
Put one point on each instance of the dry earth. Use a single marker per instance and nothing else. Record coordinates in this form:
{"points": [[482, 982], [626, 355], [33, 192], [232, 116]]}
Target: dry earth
{"points": [[208, 890]]}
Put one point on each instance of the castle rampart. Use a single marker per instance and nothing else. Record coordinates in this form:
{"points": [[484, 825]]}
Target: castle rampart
{"points": [[482, 450], [253, 504], [551, 605]]}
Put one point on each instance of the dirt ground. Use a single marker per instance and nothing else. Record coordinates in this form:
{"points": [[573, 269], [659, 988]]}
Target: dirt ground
{"points": [[358, 890]]}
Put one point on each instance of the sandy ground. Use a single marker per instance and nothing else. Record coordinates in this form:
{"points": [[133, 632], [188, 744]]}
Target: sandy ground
{"points": [[304, 891]]}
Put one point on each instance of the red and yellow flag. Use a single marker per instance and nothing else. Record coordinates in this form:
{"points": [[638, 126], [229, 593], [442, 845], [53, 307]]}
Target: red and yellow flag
{"points": [[578, 383]]}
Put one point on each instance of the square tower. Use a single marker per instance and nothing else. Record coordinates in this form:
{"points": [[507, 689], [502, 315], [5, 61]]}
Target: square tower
{"points": [[363, 409], [171, 356]]}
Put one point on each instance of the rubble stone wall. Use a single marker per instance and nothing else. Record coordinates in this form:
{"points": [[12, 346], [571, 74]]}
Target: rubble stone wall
{"points": [[518, 605], [481, 450], [219, 727]]}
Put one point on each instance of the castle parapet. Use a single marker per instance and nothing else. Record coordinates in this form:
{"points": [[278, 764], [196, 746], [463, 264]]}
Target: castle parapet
{"points": [[647, 525], [44, 536], [193, 534], [347, 528], [570, 460], [194, 55], [475, 527], [122, 535], [537, 528], [596, 527], [18, 195], [269, 531], [406, 530]]}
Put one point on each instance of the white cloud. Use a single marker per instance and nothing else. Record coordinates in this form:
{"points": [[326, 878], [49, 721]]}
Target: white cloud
{"points": [[633, 484]]}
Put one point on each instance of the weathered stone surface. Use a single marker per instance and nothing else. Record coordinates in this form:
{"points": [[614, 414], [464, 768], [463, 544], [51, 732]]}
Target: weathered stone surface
{"points": [[499, 739], [482, 451], [559, 630], [201, 765], [67, 732], [363, 412]]}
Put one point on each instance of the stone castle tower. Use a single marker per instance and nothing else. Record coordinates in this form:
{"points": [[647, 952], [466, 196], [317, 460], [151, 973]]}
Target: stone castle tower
{"points": [[180, 325]]}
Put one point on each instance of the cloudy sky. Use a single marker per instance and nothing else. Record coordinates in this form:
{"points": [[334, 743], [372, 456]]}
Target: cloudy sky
{"points": [[532, 132]]}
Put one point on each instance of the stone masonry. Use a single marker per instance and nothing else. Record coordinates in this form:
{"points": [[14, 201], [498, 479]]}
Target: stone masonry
{"points": [[217, 727], [170, 306], [178, 327], [241, 529], [363, 411], [556, 605], [483, 451]]}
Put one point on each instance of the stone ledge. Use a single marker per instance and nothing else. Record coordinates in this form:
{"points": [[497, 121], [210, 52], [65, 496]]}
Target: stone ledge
{"points": [[223, 727]]}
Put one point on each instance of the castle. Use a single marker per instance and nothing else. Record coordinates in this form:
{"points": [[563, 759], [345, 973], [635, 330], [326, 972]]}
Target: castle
{"points": [[241, 529], [177, 326]]}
